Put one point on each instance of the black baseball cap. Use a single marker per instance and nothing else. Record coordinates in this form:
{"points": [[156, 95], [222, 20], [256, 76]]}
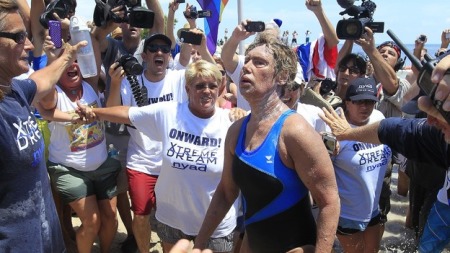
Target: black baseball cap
{"points": [[157, 36], [362, 89]]}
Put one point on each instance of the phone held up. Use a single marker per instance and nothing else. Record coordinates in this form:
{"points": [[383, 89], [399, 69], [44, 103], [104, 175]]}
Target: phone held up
{"points": [[191, 38], [330, 142], [54, 30], [180, 1], [255, 26]]}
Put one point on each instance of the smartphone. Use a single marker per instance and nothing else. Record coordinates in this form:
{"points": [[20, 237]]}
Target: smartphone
{"points": [[255, 26], [191, 38], [330, 142], [180, 1], [204, 14], [447, 35], [54, 31]]}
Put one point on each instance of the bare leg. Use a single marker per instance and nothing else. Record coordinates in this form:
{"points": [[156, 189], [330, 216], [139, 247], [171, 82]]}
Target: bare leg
{"points": [[167, 247], [108, 216], [123, 206], [372, 239], [352, 243], [87, 211], [142, 231]]}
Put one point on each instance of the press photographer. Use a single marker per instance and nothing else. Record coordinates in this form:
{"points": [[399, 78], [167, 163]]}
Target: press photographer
{"points": [[353, 28], [135, 14]]}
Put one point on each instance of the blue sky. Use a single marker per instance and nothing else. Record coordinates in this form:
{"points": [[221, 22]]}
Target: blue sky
{"points": [[407, 19]]}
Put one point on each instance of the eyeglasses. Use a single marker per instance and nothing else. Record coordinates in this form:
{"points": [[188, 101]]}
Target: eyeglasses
{"points": [[353, 70], [19, 37], [364, 102], [292, 87], [202, 86], [155, 48], [223, 72]]}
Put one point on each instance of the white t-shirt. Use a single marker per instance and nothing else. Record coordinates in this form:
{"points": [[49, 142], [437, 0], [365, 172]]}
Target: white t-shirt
{"points": [[82, 147], [311, 115], [144, 154], [359, 169], [193, 155]]}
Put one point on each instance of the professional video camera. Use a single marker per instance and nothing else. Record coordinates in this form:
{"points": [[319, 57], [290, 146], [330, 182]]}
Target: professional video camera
{"points": [[353, 28], [135, 14], [60, 7]]}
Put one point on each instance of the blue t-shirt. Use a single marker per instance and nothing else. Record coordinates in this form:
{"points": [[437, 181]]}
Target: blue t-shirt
{"points": [[28, 218], [416, 140]]}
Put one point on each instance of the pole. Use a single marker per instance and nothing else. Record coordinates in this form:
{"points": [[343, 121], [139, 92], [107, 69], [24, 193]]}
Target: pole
{"points": [[241, 44]]}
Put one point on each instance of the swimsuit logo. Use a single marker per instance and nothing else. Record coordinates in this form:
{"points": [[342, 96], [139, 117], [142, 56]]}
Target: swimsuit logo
{"points": [[269, 159]]}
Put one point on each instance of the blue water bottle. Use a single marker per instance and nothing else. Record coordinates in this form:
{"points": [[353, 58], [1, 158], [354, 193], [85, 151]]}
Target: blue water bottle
{"points": [[113, 152]]}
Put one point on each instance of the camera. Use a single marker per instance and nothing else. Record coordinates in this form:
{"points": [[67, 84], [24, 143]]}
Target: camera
{"points": [[330, 142], [353, 28], [194, 14], [60, 7], [326, 86], [135, 14], [130, 65]]}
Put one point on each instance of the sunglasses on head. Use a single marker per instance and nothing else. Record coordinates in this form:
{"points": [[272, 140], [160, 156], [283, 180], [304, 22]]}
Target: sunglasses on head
{"points": [[352, 70], [155, 48], [18, 37]]}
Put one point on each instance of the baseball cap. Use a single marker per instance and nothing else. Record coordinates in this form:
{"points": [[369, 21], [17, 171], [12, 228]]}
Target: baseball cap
{"points": [[157, 36], [362, 89]]}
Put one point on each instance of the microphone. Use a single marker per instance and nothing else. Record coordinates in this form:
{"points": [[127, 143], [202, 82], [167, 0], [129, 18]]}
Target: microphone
{"points": [[345, 3]]}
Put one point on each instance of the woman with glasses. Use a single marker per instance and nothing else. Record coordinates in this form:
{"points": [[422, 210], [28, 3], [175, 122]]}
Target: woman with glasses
{"points": [[349, 68], [360, 169], [28, 218], [191, 136]]}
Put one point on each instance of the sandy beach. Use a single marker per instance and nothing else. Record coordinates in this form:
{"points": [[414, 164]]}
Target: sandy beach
{"points": [[396, 237]]}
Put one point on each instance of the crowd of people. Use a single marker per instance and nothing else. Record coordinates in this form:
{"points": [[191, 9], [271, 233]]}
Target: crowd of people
{"points": [[231, 152]]}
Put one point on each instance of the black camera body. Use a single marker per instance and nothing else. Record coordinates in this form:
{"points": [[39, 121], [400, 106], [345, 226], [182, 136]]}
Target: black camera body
{"points": [[194, 14], [326, 86], [135, 14], [353, 28], [130, 65], [60, 7]]}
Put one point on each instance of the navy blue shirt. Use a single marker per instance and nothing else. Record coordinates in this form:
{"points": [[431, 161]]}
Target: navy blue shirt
{"points": [[416, 140], [28, 218]]}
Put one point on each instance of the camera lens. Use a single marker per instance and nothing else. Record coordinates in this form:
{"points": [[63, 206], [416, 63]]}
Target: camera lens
{"points": [[352, 29]]}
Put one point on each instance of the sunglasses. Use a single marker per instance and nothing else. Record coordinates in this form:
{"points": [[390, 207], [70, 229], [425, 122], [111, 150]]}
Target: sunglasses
{"points": [[155, 48], [19, 37], [352, 70], [202, 86], [364, 102]]}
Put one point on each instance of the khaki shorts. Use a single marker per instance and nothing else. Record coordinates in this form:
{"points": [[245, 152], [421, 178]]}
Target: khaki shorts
{"points": [[73, 184]]}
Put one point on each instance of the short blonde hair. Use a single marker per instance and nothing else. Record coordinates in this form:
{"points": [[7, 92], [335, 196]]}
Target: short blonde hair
{"points": [[202, 68]]}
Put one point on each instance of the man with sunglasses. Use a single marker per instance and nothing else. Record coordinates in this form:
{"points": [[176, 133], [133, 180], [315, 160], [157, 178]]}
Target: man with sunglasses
{"points": [[28, 218], [158, 84], [117, 134]]}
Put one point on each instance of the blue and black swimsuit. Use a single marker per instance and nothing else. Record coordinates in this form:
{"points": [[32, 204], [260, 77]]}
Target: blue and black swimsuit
{"points": [[276, 204]]}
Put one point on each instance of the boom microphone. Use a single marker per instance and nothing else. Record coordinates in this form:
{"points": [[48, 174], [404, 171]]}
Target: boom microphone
{"points": [[345, 3]]}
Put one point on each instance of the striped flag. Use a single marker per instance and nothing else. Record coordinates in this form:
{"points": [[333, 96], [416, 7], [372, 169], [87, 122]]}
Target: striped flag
{"points": [[212, 23]]}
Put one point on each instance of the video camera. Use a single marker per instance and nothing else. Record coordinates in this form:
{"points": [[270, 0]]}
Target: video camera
{"points": [[135, 14], [353, 28], [194, 14], [60, 7]]}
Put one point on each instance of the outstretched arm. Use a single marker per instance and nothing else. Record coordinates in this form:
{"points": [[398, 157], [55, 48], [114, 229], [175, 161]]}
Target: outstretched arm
{"points": [[327, 28], [116, 114], [229, 57]]}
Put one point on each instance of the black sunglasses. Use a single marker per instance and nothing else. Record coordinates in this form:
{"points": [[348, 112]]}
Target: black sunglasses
{"points": [[352, 70], [155, 48], [18, 37]]}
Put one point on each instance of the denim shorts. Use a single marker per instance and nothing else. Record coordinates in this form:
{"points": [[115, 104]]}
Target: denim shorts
{"points": [[73, 184], [436, 234], [349, 227], [171, 235]]}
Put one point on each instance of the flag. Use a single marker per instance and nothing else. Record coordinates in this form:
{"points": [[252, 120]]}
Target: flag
{"points": [[211, 25]]}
